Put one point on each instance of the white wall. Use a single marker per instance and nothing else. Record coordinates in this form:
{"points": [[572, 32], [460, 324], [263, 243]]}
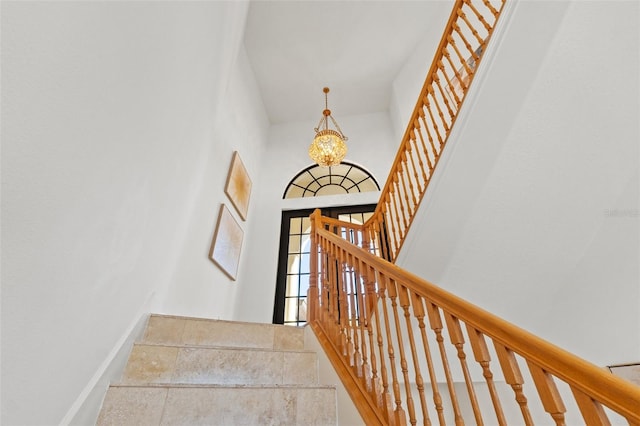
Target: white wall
{"points": [[406, 87], [368, 146], [533, 211], [119, 123], [199, 288]]}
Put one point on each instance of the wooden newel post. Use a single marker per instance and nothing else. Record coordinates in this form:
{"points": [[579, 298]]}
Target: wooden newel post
{"points": [[312, 293]]}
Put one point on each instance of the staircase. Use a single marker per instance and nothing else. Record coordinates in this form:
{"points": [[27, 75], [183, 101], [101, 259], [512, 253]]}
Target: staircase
{"points": [[194, 371]]}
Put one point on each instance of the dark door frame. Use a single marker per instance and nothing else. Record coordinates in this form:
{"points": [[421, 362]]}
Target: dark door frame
{"points": [[281, 278]]}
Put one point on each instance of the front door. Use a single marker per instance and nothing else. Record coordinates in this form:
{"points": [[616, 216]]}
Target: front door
{"points": [[290, 307]]}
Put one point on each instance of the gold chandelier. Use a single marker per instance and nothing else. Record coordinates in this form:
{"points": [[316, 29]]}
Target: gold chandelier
{"points": [[328, 147]]}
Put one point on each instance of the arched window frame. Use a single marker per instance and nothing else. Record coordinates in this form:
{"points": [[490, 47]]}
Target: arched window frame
{"points": [[350, 184]]}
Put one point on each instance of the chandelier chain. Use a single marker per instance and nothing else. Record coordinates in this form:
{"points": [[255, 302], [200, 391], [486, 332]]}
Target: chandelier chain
{"points": [[335, 123]]}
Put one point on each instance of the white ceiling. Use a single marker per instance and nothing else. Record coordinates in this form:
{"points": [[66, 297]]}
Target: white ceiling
{"points": [[354, 47]]}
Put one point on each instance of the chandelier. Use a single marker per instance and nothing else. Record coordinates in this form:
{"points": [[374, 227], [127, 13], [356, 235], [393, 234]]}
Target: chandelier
{"points": [[328, 147]]}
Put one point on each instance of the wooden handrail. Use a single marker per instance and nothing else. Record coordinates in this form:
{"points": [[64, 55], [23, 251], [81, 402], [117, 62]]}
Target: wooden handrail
{"points": [[457, 57], [391, 335], [467, 325]]}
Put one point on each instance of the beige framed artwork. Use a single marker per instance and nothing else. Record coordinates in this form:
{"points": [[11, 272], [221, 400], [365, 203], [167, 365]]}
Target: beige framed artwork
{"points": [[238, 187], [630, 372], [227, 243]]}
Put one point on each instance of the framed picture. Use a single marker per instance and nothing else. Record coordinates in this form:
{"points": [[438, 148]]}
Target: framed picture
{"points": [[227, 243], [630, 372], [238, 187]]}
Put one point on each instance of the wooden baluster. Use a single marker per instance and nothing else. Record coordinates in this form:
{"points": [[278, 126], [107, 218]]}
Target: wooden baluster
{"points": [[405, 305], [513, 377], [470, 48], [479, 15], [398, 193], [437, 104], [434, 151], [336, 288], [357, 358], [433, 121], [343, 304], [351, 349], [591, 410], [436, 79], [392, 288], [393, 237], [459, 77], [493, 10], [375, 238], [475, 33], [435, 322], [370, 299], [312, 292], [333, 300], [423, 187], [372, 234], [375, 224], [323, 293], [408, 153], [325, 288], [390, 224], [340, 271], [463, 60], [457, 340], [418, 311], [385, 398], [393, 212], [356, 237], [320, 278], [399, 211], [335, 297], [549, 395], [403, 175], [453, 92], [362, 320], [383, 232], [399, 414], [362, 241], [482, 356], [367, 240]]}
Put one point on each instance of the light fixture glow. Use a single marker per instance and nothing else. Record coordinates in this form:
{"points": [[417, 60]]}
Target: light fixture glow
{"points": [[328, 147]]}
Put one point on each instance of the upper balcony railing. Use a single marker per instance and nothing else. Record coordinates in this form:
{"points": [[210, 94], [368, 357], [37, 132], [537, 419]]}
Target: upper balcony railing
{"points": [[457, 58]]}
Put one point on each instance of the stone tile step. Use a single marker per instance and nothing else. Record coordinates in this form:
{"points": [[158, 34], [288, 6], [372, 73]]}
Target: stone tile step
{"points": [[218, 405], [214, 365], [176, 330]]}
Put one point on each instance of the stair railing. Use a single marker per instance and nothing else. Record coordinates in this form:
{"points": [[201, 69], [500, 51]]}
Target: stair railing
{"points": [[459, 53], [408, 351]]}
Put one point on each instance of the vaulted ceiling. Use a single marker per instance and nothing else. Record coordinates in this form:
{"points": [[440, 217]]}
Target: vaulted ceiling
{"points": [[356, 48]]}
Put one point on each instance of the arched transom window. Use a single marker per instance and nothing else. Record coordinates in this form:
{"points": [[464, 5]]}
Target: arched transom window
{"points": [[345, 178]]}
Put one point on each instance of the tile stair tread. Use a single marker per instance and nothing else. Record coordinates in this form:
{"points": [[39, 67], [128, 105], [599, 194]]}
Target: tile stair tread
{"points": [[232, 348], [287, 336], [227, 321], [221, 386]]}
